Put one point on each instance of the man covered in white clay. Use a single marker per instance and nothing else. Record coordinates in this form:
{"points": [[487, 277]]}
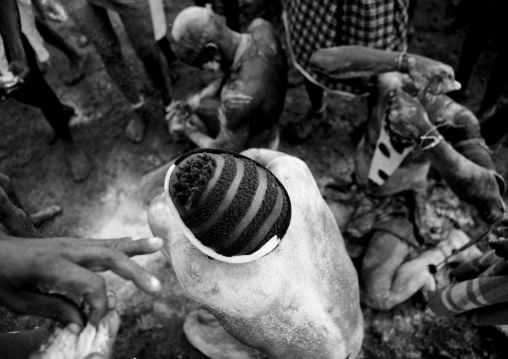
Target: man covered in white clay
{"points": [[270, 266], [240, 109], [412, 124]]}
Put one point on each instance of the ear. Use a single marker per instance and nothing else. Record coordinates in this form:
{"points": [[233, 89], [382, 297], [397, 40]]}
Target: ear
{"points": [[214, 50]]}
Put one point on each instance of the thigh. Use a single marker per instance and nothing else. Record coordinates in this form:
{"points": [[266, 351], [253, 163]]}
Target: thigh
{"points": [[386, 252]]}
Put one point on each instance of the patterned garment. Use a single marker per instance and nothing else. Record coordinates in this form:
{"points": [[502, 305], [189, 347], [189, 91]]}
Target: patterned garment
{"points": [[480, 295], [312, 25]]}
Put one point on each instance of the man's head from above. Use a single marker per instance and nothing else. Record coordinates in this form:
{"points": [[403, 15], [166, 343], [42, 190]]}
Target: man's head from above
{"points": [[228, 206], [196, 33]]}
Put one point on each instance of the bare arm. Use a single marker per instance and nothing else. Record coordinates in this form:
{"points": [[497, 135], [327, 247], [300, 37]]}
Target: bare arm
{"points": [[471, 182], [226, 139], [209, 91], [347, 62]]}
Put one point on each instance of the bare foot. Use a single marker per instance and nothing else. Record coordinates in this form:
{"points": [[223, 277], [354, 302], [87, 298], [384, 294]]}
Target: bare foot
{"points": [[80, 166], [40, 217], [135, 130]]}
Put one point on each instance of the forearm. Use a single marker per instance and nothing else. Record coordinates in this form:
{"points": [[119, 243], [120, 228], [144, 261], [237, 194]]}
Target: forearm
{"points": [[10, 29], [462, 128], [474, 184], [346, 62], [201, 140], [209, 91], [225, 140]]}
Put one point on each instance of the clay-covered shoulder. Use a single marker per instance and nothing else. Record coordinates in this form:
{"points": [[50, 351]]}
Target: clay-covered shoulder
{"points": [[295, 176], [264, 35]]}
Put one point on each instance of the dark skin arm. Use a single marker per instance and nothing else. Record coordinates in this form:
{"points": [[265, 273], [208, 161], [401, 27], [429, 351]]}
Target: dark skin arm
{"points": [[472, 183], [10, 29], [31, 268], [348, 62]]}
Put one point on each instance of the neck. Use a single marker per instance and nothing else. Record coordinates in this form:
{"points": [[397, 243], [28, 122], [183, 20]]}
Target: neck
{"points": [[229, 45]]}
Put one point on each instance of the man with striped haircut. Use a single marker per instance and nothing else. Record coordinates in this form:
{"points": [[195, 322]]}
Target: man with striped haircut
{"points": [[251, 239]]}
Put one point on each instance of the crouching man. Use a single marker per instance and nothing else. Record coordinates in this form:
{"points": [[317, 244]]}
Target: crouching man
{"points": [[259, 248], [240, 110], [412, 124]]}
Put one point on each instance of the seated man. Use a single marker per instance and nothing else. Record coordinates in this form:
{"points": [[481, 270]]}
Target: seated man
{"points": [[240, 110], [269, 264], [412, 124]]}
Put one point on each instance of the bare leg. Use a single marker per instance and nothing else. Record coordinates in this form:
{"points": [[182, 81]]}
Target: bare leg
{"points": [[94, 23], [39, 94], [139, 29], [387, 279], [76, 58]]}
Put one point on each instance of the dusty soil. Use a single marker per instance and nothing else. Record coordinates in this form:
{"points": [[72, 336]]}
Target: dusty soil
{"points": [[107, 204]]}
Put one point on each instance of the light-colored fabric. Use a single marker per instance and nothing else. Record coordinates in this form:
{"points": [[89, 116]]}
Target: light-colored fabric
{"points": [[27, 16], [160, 27]]}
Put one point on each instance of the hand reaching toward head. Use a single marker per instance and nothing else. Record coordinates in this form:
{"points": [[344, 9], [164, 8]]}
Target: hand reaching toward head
{"points": [[32, 269]]}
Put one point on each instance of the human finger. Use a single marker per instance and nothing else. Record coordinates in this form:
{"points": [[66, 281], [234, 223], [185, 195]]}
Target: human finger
{"points": [[127, 245], [100, 259], [44, 305]]}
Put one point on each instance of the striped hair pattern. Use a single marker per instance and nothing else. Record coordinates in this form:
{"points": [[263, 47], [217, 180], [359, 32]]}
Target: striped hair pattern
{"points": [[229, 206]]}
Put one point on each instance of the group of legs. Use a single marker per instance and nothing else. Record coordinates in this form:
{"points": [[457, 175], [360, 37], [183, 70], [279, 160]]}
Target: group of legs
{"points": [[94, 22]]}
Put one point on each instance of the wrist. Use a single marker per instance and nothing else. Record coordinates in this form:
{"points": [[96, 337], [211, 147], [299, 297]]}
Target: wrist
{"points": [[403, 63], [430, 139]]}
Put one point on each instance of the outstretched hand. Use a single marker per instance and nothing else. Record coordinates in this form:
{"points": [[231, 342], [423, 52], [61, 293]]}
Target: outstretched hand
{"points": [[32, 269]]}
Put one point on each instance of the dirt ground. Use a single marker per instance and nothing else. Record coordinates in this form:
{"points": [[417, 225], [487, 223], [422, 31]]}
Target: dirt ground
{"points": [[107, 204]]}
